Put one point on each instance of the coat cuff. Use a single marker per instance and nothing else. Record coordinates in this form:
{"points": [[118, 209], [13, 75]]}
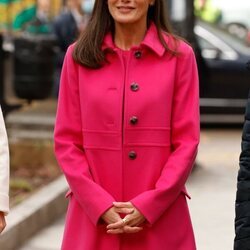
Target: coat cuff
{"points": [[96, 216], [145, 209], [4, 203], [95, 212]]}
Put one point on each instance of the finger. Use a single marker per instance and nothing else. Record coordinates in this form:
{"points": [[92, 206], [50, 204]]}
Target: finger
{"points": [[134, 220], [130, 230], [115, 231], [110, 216], [119, 224], [135, 223], [124, 210], [123, 204]]}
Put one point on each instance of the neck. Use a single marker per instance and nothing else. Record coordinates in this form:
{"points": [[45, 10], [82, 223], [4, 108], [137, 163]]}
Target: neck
{"points": [[128, 35]]}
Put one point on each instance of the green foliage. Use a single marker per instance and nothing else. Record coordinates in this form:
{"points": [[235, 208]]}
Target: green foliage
{"points": [[20, 184]]}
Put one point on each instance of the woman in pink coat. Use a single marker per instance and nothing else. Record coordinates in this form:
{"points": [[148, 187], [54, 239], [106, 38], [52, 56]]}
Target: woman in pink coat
{"points": [[127, 131]]}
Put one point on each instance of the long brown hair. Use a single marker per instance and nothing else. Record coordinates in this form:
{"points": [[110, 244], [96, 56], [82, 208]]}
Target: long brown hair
{"points": [[87, 50]]}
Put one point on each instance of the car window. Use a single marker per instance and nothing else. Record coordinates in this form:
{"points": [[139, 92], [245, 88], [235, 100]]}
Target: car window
{"points": [[212, 46], [208, 50], [204, 44]]}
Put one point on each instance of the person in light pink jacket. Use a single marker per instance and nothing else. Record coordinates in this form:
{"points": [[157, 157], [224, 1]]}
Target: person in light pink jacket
{"points": [[127, 131], [4, 174]]}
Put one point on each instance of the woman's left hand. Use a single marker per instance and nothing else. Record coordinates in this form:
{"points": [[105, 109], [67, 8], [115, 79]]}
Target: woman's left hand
{"points": [[130, 223]]}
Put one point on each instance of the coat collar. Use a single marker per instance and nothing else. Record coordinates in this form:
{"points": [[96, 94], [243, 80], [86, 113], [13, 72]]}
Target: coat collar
{"points": [[151, 41]]}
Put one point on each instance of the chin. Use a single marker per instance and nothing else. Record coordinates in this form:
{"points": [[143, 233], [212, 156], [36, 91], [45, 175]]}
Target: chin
{"points": [[125, 20]]}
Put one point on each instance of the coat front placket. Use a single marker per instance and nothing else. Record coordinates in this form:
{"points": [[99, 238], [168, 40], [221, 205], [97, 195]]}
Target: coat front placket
{"points": [[128, 87], [123, 58]]}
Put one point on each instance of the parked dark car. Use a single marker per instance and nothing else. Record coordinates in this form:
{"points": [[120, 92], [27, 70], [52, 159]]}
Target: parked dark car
{"points": [[225, 80]]}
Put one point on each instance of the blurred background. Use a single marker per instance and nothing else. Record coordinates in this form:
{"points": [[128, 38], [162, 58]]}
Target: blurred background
{"points": [[34, 36]]}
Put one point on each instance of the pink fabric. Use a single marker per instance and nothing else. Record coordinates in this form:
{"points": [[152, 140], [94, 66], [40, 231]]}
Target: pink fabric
{"points": [[93, 138]]}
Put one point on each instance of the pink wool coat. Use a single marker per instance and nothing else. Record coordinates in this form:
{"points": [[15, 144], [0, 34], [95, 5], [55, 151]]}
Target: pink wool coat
{"points": [[129, 132]]}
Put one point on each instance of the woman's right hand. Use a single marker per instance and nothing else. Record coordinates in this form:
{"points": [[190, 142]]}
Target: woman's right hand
{"points": [[112, 216], [2, 222]]}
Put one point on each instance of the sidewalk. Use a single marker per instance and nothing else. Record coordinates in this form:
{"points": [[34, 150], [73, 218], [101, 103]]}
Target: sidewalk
{"points": [[34, 121], [30, 129], [48, 239], [212, 186]]}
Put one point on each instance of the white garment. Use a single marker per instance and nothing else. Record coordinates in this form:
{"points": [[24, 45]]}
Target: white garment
{"points": [[4, 167]]}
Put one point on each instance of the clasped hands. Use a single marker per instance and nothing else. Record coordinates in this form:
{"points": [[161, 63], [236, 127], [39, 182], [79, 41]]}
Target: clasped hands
{"points": [[131, 223]]}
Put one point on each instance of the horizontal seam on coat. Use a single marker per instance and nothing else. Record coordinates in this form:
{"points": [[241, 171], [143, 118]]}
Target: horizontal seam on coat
{"points": [[148, 128], [100, 147], [101, 131], [148, 144]]}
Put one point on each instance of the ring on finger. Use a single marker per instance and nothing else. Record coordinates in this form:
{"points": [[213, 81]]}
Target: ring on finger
{"points": [[124, 220]]}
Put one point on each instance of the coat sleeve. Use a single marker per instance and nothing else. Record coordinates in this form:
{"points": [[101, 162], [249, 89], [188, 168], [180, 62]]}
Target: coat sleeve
{"points": [[4, 168], [242, 206], [69, 149], [184, 142]]}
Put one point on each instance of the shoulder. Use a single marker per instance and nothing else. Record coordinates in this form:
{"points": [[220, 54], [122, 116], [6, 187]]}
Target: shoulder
{"points": [[182, 47], [184, 56], [68, 59], [71, 48], [184, 53]]}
